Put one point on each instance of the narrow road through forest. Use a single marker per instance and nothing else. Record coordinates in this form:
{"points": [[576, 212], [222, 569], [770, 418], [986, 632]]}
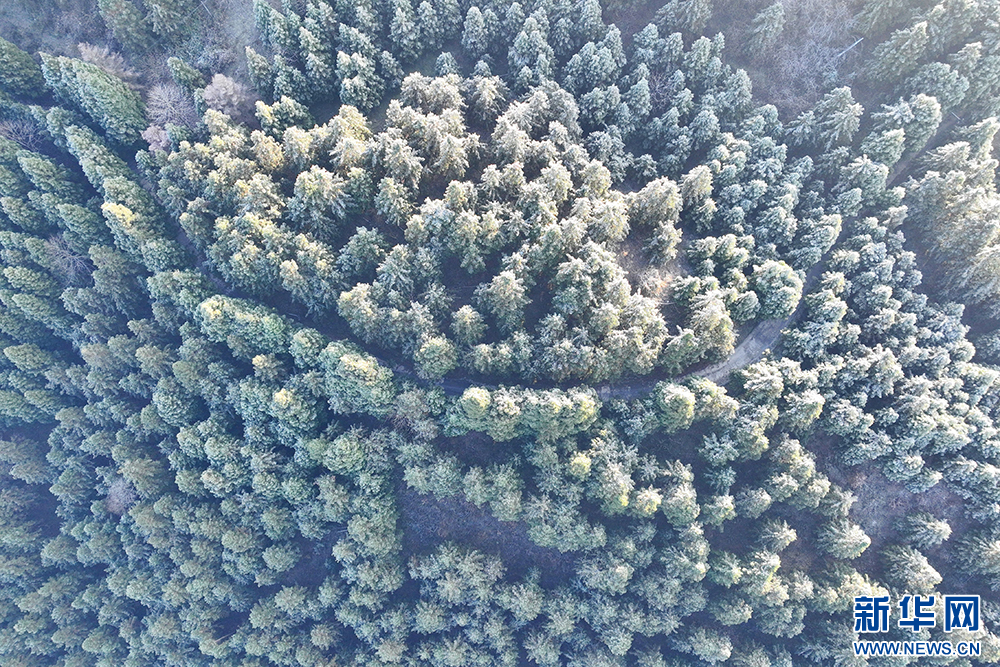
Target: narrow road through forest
{"points": [[752, 348], [759, 341]]}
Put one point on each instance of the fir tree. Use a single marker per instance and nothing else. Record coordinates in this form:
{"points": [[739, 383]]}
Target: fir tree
{"points": [[19, 73], [106, 99], [126, 22], [765, 30]]}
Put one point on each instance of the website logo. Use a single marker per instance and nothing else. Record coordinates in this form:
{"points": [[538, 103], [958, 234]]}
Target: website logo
{"points": [[916, 613]]}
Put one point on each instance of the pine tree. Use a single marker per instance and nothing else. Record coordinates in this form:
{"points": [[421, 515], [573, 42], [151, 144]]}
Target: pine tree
{"points": [[511, 23], [530, 54], [675, 405], [184, 75], [126, 22], [360, 85], [505, 298], [899, 55], [435, 357], [283, 114], [106, 99], [680, 505], [950, 23], [909, 570], [450, 15], [446, 64], [320, 66], [227, 320], [356, 382], [778, 288], [981, 279], [468, 325], [589, 24], [983, 97], [765, 30], [475, 39], [431, 31], [658, 205], [261, 74], [924, 530], [842, 539], [879, 15], [837, 117], [404, 32], [705, 643], [775, 535], [689, 16], [885, 147], [979, 553], [940, 81], [171, 19], [19, 73]]}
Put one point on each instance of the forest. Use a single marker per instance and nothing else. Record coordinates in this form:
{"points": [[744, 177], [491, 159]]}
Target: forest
{"points": [[545, 333]]}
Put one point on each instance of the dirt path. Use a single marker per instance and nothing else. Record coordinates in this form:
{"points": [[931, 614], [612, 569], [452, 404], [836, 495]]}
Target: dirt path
{"points": [[753, 347], [764, 337]]}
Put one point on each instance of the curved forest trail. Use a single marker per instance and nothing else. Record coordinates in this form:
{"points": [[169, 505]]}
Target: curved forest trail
{"points": [[751, 349], [761, 339]]}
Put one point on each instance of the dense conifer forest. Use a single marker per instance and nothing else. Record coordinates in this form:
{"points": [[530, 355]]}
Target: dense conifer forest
{"points": [[477, 333]]}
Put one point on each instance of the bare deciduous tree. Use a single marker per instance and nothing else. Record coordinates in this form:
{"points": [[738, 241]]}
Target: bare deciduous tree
{"points": [[121, 495], [168, 103], [109, 61], [157, 138], [228, 96], [65, 261], [21, 131]]}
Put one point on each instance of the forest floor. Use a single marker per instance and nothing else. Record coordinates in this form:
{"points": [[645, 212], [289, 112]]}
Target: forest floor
{"points": [[881, 503], [813, 56], [52, 26], [218, 31], [428, 521]]}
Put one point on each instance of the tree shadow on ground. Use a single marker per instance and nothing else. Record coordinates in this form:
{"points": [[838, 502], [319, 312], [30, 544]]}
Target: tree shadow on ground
{"points": [[428, 522]]}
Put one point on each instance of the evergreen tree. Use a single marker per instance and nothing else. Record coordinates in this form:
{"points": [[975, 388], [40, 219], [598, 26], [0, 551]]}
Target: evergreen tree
{"points": [[360, 84], [170, 19], [924, 531], [843, 539], [184, 75], [980, 554], [778, 288], [404, 32], [432, 33], [105, 98], [126, 22], [899, 55], [19, 73], [879, 15], [837, 117], [319, 62], [765, 30], [261, 73], [475, 38], [689, 16], [909, 570], [436, 357], [589, 25], [505, 298]]}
